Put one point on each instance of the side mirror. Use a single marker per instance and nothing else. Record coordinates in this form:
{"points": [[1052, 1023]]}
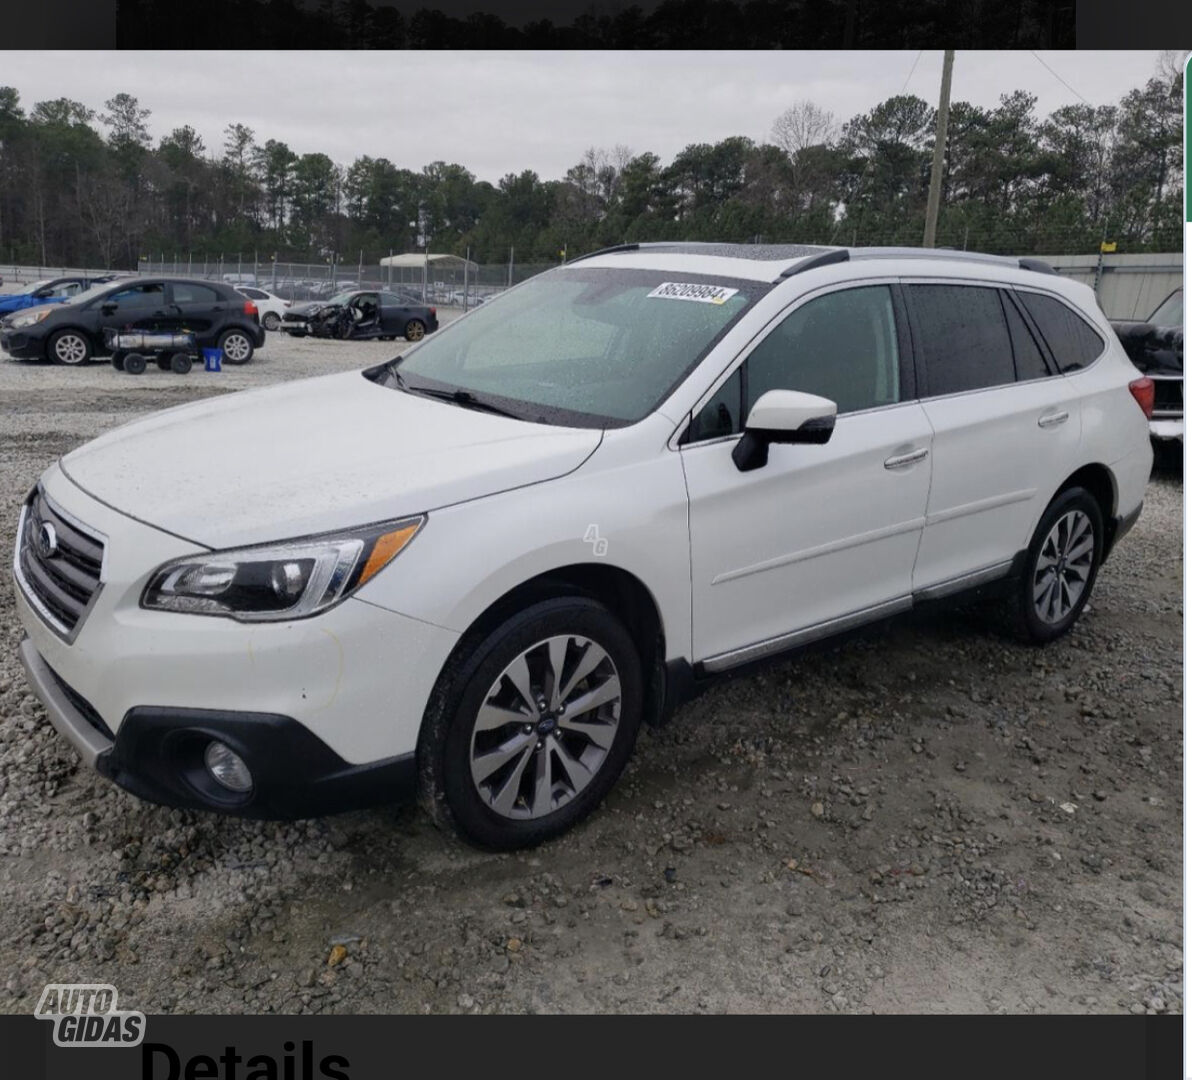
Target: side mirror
{"points": [[109, 308], [783, 416]]}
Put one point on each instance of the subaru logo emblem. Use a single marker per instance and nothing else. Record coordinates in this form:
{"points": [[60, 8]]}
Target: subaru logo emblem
{"points": [[46, 541]]}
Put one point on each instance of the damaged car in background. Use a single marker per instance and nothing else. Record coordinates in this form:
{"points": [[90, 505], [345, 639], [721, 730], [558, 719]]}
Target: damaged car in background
{"points": [[361, 315], [1156, 348]]}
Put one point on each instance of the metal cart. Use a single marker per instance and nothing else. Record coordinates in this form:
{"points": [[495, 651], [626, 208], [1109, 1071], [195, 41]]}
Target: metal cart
{"points": [[133, 349]]}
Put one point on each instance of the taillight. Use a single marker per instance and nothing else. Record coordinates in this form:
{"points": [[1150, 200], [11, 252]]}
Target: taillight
{"points": [[250, 308], [434, 311], [1144, 393]]}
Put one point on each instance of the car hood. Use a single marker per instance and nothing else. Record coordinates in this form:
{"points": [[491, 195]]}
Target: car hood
{"points": [[314, 456], [17, 301], [309, 308]]}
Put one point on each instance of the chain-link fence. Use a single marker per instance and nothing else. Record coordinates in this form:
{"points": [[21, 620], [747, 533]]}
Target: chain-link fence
{"points": [[456, 284], [1128, 286]]}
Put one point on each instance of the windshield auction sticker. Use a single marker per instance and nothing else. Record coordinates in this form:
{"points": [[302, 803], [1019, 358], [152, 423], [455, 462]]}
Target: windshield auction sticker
{"points": [[701, 294]]}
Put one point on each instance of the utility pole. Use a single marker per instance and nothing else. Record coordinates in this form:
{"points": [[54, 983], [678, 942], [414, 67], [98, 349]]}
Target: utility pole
{"points": [[937, 158]]}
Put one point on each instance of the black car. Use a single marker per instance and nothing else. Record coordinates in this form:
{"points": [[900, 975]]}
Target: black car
{"points": [[1157, 349], [362, 314], [73, 332]]}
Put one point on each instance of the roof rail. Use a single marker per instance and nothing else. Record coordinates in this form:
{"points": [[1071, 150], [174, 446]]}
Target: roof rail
{"points": [[1038, 266], [824, 258]]}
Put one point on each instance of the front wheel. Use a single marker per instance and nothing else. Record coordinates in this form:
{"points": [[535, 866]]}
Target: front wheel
{"points": [[528, 731], [69, 347], [236, 346], [1061, 566]]}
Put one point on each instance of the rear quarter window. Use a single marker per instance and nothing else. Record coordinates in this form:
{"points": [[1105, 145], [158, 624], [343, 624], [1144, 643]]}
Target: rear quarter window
{"points": [[1072, 342]]}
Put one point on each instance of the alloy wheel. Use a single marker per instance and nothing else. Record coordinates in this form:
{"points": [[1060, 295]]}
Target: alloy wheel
{"points": [[237, 348], [1063, 568], [546, 727], [70, 349]]}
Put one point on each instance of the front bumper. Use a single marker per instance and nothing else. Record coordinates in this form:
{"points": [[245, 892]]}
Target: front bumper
{"points": [[336, 700], [158, 755], [21, 345]]}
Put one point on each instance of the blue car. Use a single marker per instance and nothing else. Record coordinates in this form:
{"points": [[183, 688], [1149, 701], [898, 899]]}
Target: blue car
{"points": [[50, 291]]}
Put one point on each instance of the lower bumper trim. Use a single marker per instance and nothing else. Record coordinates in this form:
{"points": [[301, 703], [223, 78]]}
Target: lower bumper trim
{"points": [[157, 755], [68, 720]]}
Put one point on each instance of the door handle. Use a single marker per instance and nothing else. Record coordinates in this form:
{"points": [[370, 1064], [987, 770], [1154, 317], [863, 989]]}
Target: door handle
{"points": [[900, 461], [1053, 419]]}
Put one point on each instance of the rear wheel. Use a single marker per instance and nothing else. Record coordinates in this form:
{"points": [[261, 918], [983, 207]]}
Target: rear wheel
{"points": [[528, 731], [69, 347], [163, 363], [180, 363], [118, 361], [1061, 567], [236, 346], [271, 321], [134, 363], [415, 330]]}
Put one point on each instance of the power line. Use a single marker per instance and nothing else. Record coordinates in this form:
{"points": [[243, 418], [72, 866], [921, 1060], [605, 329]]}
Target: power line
{"points": [[1060, 78], [907, 82]]}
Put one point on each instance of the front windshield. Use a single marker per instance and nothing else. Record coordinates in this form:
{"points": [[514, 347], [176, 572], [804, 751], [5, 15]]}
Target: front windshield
{"points": [[603, 345], [1171, 311]]}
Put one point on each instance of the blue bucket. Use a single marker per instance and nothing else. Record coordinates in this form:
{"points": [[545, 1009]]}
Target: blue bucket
{"points": [[212, 359]]}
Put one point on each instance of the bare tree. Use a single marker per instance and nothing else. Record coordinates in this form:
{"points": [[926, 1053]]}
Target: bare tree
{"points": [[803, 125], [1170, 66]]}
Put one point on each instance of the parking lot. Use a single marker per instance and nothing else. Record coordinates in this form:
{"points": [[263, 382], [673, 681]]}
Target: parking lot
{"points": [[928, 818]]}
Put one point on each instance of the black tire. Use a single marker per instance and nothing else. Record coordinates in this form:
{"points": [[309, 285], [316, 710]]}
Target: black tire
{"points": [[415, 330], [118, 361], [241, 347], [1026, 620], [134, 364], [180, 363], [447, 791], [271, 321], [163, 363], [69, 347]]}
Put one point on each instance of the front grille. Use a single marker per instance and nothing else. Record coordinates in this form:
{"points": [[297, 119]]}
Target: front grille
{"points": [[1169, 397], [60, 579]]}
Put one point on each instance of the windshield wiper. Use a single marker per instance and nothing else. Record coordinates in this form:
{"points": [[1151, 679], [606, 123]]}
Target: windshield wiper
{"points": [[458, 396]]}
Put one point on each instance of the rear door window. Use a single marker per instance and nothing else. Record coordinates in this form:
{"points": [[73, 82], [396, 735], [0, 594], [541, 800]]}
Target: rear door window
{"points": [[1029, 361], [962, 338], [188, 293], [1073, 343]]}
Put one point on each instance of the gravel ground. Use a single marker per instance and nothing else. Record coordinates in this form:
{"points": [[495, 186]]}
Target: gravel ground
{"points": [[928, 818]]}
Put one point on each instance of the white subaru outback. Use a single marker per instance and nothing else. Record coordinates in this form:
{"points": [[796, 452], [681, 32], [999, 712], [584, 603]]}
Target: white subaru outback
{"points": [[473, 571]]}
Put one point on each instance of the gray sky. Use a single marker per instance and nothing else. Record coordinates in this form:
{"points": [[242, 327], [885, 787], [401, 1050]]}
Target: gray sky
{"points": [[499, 112]]}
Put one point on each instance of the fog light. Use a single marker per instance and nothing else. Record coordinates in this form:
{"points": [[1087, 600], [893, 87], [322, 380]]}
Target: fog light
{"points": [[227, 768]]}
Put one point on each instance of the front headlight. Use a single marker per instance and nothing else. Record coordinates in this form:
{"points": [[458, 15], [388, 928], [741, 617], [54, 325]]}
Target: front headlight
{"points": [[272, 582], [28, 318]]}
